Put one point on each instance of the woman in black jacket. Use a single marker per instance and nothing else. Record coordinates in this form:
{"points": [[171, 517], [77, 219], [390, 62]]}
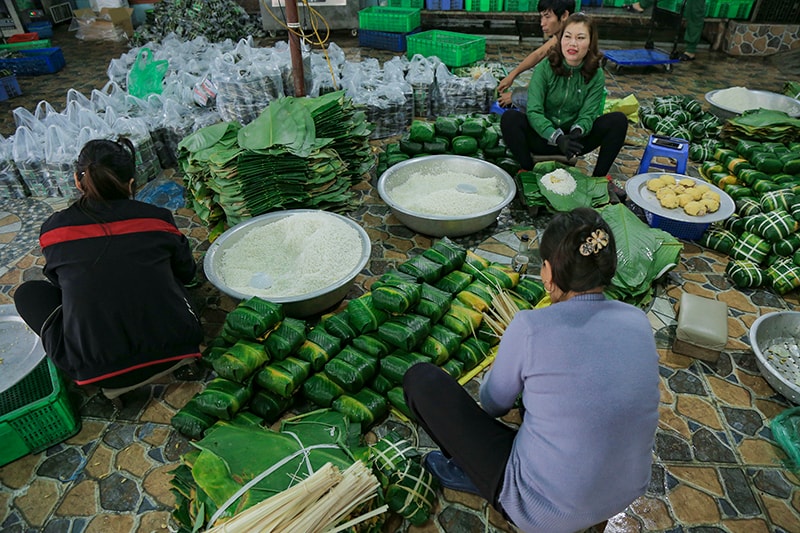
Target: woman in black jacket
{"points": [[113, 311]]}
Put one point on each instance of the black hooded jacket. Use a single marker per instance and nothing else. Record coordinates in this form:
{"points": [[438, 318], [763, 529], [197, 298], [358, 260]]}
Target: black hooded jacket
{"points": [[121, 267]]}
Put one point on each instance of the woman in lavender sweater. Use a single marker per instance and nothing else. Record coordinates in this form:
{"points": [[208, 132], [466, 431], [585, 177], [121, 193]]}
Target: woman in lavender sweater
{"points": [[587, 371]]}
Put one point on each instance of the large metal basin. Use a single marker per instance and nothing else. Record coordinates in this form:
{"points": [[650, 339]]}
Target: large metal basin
{"points": [[782, 373], [758, 99], [301, 305], [440, 226]]}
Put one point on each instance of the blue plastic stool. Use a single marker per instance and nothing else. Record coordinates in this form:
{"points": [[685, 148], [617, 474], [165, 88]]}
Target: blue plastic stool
{"points": [[663, 146]]}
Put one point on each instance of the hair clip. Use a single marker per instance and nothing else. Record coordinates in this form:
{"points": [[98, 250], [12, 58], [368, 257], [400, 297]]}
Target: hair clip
{"points": [[594, 243]]}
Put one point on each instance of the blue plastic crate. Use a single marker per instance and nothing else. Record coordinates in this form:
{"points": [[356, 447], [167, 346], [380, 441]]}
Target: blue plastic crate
{"points": [[687, 231], [384, 40], [35, 62], [444, 5], [10, 87], [43, 28]]}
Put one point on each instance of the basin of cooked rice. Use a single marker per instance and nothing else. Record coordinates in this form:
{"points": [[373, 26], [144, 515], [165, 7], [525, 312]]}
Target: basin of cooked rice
{"points": [[288, 256], [446, 195]]}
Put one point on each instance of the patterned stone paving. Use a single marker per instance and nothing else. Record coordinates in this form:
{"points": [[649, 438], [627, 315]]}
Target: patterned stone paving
{"points": [[716, 465]]}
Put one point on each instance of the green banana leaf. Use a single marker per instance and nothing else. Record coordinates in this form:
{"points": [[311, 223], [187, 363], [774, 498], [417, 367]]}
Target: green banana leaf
{"points": [[589, 191], [643, 253], [232, 454]]}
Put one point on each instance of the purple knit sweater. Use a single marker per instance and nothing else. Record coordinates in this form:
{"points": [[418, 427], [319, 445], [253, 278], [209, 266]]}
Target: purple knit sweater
{"points": [[587, 369]]}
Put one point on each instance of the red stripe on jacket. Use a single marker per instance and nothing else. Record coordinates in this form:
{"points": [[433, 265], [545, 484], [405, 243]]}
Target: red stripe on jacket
{"points": [[136, 367], [108, 229]]}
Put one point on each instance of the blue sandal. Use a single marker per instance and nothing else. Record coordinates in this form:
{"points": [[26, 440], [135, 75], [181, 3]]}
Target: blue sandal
{"points": [[449, 473]]}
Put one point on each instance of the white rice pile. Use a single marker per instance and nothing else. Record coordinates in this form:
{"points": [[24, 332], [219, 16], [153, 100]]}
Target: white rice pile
{"points": [[300, 254], [559, 181], [738, 99], [446, 193]]}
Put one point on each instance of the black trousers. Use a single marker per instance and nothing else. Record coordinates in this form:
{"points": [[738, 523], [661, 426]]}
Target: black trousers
{"points": [[608, 132], [477, 442], [36, 300]]}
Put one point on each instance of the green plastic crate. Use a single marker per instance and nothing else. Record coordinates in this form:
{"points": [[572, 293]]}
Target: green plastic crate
{"points": [[729, 9], [483, 5], [26, 45], [616, 3], [414, 4], [522, 5], [454, 49], [670, 5], [393, 19], [35, 414]]}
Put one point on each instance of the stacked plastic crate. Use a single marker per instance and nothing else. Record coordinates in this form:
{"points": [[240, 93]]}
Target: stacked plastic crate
{"points": [[386, 27], [729, 9]]}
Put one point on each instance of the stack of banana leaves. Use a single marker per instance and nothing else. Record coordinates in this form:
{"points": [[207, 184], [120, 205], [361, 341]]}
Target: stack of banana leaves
{"points": [[299, 153], [430, 309], [644, 254], [763, 125], [240, 463]]}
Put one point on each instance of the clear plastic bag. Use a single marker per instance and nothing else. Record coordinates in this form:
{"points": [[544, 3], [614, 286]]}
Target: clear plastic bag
{"points": [[421, 75], [457, 95], [148, 165], [60, 155], [28, 154], [11, 184]]}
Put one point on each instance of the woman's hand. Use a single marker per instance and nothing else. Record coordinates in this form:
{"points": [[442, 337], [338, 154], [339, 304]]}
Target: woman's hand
{"points": [[505, 83], [568, 145], [504, 99]]}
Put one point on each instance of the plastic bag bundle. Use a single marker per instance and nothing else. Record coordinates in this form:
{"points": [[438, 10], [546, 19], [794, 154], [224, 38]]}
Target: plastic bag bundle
{"points": [[11, 184], [388, 104], [28, 154], [148, 166], [246, 83], [456, 95], [282, 58], [172, 122], [60, 154], [421, 75]]}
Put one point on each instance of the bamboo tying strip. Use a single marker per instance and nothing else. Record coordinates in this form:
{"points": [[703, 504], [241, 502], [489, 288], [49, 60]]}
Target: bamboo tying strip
{"points": [[315, 505]]}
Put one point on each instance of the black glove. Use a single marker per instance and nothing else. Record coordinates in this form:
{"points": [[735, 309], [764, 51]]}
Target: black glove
{"points": [[568, 146], [575, 134]]}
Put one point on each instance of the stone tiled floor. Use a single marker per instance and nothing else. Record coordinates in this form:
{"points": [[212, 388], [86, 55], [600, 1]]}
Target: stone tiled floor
{"points": [[716, 469]]}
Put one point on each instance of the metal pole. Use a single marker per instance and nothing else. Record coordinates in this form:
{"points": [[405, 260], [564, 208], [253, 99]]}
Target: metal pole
{"points": [[294, 47]]}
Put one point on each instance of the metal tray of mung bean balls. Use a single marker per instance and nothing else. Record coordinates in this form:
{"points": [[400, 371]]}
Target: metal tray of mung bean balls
{"points": [[637, 191]]}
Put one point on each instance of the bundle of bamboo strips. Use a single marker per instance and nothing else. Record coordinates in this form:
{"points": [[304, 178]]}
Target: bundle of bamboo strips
{"points": [[501, 312], [315, 505]]}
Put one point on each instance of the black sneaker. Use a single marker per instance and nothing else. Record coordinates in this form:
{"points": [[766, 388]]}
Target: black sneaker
{"points": [[449, 473]]}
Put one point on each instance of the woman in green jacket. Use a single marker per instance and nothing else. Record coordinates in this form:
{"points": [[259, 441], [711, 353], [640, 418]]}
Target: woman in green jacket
{"points": [[565, 104]]}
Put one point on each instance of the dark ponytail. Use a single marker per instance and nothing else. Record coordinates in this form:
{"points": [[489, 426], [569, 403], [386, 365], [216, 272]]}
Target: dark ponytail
{"points": [[576, 267], [105, 169]]}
